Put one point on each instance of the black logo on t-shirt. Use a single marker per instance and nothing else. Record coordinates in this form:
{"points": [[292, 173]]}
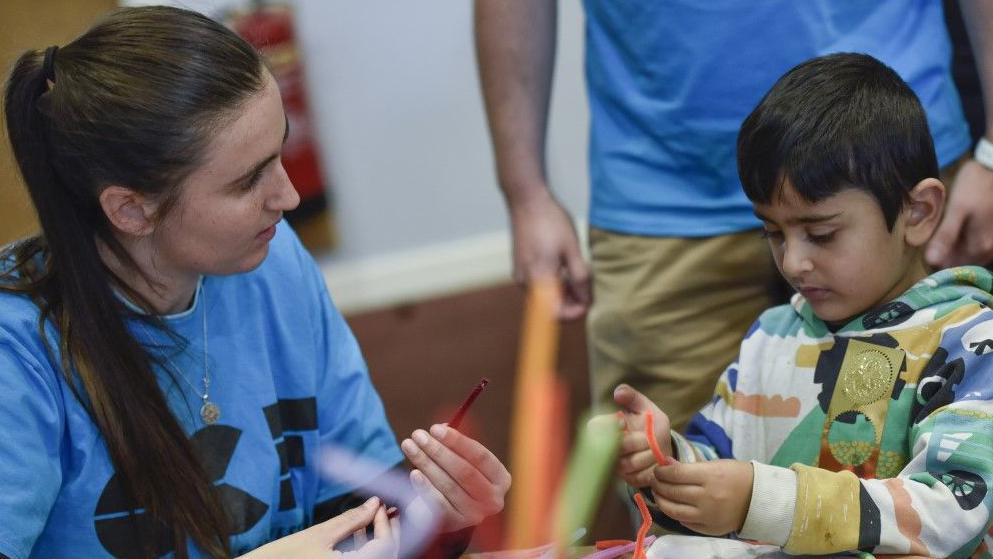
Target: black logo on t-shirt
{"points": [[119, 523]]}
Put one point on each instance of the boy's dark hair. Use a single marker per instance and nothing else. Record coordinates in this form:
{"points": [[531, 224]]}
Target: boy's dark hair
{"points": [[838, 121]]}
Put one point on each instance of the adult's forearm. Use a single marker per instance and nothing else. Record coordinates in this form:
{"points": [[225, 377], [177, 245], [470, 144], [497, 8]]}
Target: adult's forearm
{"points": [[978, 18], [515, 47]]}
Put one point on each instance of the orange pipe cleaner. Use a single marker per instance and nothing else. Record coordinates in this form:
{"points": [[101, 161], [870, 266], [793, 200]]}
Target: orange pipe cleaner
{"points": [[646, 524]]}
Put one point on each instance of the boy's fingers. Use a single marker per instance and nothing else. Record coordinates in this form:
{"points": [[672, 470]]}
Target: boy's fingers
{"points": [[644, 478], [631, 400], [634, 442], [679, 512], [636, 462], [607, 418], [679, 473], [685, 494]]}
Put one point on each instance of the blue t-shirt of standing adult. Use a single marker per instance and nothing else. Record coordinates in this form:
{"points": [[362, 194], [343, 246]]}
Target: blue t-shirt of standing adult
{"points": [[670, 82], [284, 370]]}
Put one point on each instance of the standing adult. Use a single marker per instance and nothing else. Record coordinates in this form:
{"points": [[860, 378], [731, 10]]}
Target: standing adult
{"points": [[678, 268]]}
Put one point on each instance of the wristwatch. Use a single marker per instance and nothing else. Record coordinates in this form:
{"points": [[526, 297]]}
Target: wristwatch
{"points": [[984, 153]]}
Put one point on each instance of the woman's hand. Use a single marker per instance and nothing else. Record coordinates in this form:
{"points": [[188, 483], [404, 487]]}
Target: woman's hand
{"points": [[318, 541], [707, 497], [463, 479], [636, 462]]}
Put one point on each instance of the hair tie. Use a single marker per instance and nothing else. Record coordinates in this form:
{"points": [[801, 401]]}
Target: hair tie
{"points": [[48, 66]]}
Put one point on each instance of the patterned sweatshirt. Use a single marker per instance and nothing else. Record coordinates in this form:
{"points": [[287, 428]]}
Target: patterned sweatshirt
{"points": [[878, 436]]}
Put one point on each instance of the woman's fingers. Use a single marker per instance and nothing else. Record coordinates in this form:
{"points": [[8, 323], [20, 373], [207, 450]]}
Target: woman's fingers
{"points": [[381, 528], [453, 475], [474, 453], [458, 472], [429, 492], [359, 537], [383, 543], [347, 523], [394, 517], [425, 455]]}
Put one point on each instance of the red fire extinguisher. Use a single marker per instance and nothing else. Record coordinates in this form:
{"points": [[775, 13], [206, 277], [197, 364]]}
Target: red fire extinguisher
{"points": [[269, 28]]}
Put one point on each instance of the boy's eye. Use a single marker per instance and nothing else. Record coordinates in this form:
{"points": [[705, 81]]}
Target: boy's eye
{"points": [[772, 234], [820, 239]]}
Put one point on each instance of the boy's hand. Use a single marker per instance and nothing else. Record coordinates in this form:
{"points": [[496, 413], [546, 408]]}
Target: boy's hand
{"points": [[707, 497], [636, 461]]}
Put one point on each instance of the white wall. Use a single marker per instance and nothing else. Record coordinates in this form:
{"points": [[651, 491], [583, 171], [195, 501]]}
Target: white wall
{"points": [[395, 95]]}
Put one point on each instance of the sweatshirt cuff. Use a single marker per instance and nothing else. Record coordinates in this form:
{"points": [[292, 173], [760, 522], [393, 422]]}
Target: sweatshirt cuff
{"points": [[770, 514], [682, 449]]}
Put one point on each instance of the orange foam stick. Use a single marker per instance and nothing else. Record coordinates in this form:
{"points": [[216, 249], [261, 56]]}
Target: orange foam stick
{"points": [[536, 423], [646, 524], [653, 443]]}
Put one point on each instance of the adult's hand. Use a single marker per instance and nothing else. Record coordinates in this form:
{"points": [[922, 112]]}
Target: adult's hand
{"points": [[462, 478], [318, 541], [515, 45], [546, 246], [965, 235]]}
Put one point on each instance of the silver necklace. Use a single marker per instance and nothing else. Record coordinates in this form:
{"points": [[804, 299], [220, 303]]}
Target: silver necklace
{"points": [[209, 411]]}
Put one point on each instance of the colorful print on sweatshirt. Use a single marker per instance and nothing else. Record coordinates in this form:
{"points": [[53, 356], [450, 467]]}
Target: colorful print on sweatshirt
{"points": [[876, 437]]}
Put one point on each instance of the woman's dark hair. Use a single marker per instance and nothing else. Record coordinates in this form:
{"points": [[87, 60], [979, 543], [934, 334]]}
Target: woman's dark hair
{"points": [[834, 122], [134, 102]]}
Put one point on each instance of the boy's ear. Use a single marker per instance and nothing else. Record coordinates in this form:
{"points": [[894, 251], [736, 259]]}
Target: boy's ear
{"points": [[129, 211], [923, 214]]}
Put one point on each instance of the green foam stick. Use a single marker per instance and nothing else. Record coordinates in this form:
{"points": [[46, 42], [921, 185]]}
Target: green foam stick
{"points": [[590, 466]]}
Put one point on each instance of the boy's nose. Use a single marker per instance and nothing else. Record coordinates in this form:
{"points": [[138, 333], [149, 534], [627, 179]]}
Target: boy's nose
{"points": [[795, 261]]}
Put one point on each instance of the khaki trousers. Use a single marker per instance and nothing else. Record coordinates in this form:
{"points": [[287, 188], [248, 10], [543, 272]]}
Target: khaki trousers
{"points": [[669, 313]]}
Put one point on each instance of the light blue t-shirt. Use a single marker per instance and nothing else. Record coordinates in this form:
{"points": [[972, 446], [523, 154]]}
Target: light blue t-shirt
{"points": [[284, 369], [670, 82]]}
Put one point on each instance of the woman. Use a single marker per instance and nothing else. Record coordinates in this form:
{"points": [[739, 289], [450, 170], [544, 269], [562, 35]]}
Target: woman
{"points": [[170, 362]]}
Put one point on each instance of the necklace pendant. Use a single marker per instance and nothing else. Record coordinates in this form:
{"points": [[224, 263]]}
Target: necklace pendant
{"points": [[210, 413]]}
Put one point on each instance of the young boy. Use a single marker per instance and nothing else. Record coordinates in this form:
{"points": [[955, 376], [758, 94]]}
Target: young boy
{"points": [[860, 416]]}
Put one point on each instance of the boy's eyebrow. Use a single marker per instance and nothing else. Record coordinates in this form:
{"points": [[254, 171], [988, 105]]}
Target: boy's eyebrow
{"points": [[266, 161], [806, 219]]}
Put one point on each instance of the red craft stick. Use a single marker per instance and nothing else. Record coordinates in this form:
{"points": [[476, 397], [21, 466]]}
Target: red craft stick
{"points": [[456, 419], [653, 443], [646, 524]]}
